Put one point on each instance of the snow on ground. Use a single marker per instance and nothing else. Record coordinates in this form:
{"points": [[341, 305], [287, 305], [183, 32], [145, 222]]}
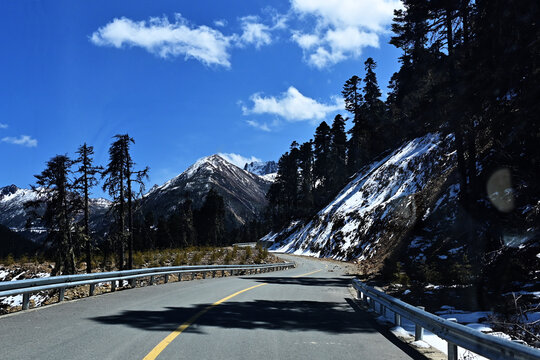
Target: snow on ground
{"points": [[469, 319], [269, 177], [16, 300], [3, 274]]}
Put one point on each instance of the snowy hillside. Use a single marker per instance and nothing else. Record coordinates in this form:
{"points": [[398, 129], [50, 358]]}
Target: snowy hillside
{"points": [[261, 168], [14, 215], [12, 199], [377, 208], [244, 193]]}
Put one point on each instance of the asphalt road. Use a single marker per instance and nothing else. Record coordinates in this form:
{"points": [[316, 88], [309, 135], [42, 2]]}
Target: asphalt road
{"points": [[303, 313]]}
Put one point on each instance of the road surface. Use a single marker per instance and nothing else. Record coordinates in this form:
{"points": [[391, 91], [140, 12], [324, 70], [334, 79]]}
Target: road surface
{"points": [[302, 313]]}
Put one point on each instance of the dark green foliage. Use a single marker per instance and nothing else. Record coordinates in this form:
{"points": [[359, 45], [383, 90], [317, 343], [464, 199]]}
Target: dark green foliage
{"points": [[210, 220], [14, 244], [57, 193], [87, 179], [323, 158], [120, 182], [283, 193], [305, 167], [338, 156]]}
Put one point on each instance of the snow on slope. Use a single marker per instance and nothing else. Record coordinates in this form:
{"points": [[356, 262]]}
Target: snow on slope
{"points": [[12, 212], [243, 192], [377, 208], [14, 215], [261, 168]]}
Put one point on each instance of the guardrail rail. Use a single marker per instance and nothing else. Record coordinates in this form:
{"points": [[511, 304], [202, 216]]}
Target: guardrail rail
{"points": [[455, 334], [29, 286]]}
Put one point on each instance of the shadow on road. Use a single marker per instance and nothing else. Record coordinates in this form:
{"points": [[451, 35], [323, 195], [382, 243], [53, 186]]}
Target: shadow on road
{"points": [[307, 281], [333, 318]]}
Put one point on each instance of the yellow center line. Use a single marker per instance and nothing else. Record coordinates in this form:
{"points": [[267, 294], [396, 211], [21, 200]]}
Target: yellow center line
{"points": [[165, 342], [309, 273]]}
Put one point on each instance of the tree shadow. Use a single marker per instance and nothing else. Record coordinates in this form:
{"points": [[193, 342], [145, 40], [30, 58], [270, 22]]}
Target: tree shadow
{"points": [[306, 281], [328, 317], [285, 315]]}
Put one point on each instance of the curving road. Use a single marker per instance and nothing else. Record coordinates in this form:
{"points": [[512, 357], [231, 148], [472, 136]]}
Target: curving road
{"points": [[303, 313]]}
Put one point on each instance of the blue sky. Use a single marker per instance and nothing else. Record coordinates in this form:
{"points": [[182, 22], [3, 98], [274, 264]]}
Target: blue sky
{"points": [[186, 79]]}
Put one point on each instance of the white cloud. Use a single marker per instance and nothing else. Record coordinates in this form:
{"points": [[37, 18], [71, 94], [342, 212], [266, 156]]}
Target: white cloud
{"points": [[23, 140], [292, 106], [305, 41], [164, 39], [238, 159], [254, 32], [343, 28], [3, 126], [258, 125], [220, 23]]}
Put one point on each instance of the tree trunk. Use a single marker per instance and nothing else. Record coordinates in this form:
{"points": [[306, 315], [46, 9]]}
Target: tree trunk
{"points": [[455, 123], [122, 223], [86, 214], [130, 218]]}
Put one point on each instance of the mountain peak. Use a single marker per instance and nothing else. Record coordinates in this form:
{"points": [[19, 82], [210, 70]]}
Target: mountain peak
{"points": [[10, 189], [244, 193]]}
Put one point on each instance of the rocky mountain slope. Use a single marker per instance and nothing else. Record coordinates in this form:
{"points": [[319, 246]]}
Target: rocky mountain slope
{"points": [[371, 216], [13, 214], [244, 193], [261, 167], [265, 169]]}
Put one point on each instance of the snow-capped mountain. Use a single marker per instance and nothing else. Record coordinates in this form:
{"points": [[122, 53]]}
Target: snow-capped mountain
{"points": [[244, 193], [378, 208], [14, 215], [12, 212], [261, 168]]}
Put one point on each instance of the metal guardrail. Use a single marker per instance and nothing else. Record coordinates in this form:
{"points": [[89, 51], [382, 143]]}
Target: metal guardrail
{"points": [[246, 244], [455, 334], [29, 286]]}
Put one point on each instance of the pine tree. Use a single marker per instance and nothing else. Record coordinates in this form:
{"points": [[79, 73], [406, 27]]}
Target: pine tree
{"points": [[163, 234], [373, 109], [352, 95], [188, 232], [321, 170], [119, 179], [305, 166], [210, 220], [87, 179], [283, 193], [55, 191], [338, 157]]}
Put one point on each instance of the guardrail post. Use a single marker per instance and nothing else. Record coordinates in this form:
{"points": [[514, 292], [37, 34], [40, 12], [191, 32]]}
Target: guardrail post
{"points": [[452, 348], [26, 301], [151, 280], [133, 283], [113, 286], [397, 319], [192, 276], [418, 330], [214, 273], [166, 278], [92, 289], [204, 274], [179, 276], [61, 294]]}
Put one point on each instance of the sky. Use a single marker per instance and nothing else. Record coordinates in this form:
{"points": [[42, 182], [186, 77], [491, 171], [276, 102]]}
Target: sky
{"points": [[185, 79]]}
